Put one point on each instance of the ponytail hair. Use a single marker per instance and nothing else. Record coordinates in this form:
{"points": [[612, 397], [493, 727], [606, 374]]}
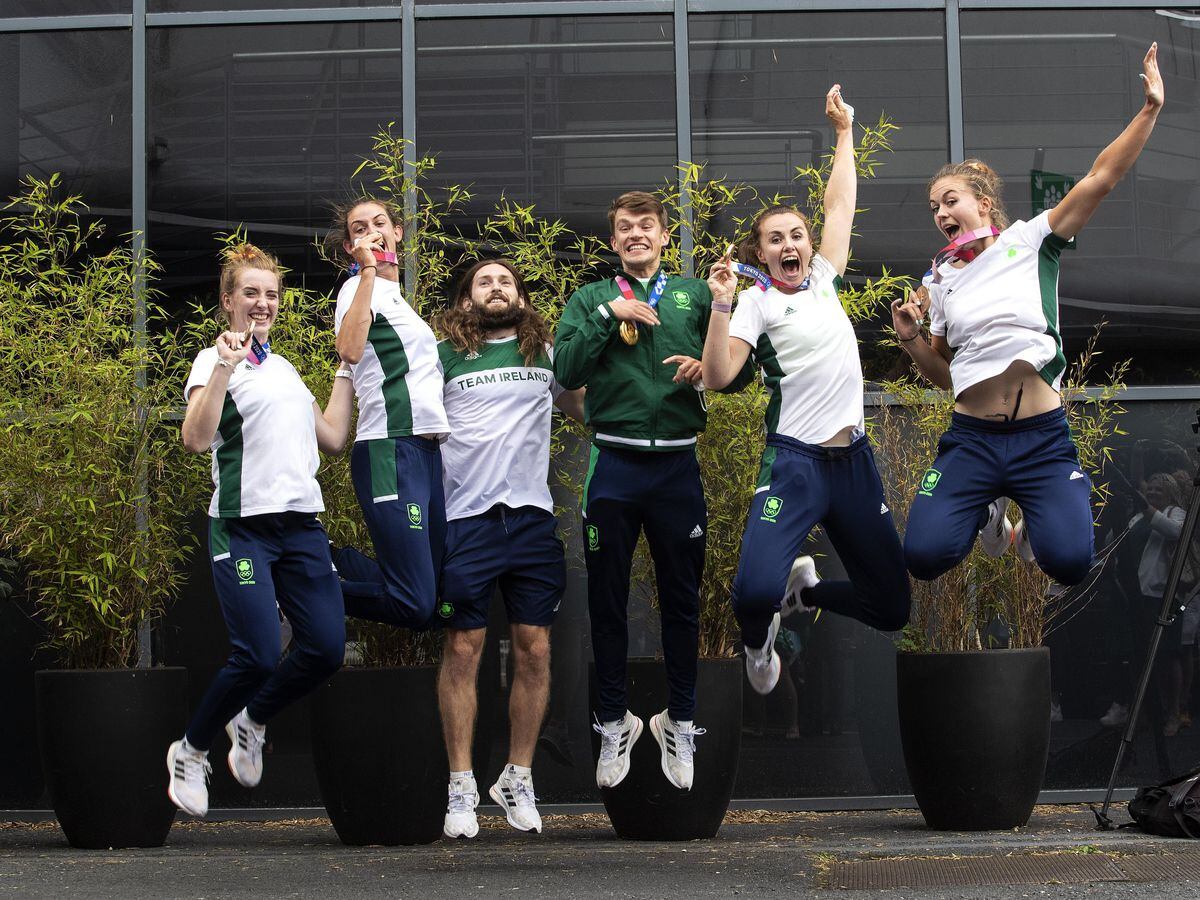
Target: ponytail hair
{"points": [[982, 180]]}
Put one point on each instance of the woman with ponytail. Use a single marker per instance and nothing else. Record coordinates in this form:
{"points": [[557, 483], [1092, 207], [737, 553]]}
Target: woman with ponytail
{"points": [[248, 406], [995, 340]]}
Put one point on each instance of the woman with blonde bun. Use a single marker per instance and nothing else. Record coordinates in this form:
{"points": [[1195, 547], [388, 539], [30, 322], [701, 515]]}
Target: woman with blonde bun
{"points": [[247, 404], [994, 339]]}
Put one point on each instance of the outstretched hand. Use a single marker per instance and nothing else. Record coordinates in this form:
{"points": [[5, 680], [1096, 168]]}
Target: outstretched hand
{"points": [[1151, 79], [722, 280]]}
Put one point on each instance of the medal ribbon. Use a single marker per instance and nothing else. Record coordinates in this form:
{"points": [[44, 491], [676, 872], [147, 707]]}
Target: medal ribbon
{"points": [[383, 256], [954, 250], [765, 281], [656, 293]]}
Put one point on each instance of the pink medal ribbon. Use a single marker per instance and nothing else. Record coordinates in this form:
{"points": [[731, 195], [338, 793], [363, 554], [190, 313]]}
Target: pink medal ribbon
{"points": [[956, 250], [383, 256]]}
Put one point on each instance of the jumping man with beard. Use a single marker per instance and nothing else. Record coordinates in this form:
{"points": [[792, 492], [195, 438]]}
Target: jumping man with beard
{"points": [[500, 524], [635, 340]]}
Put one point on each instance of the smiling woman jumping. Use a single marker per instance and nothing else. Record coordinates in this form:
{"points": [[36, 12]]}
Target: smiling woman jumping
{"points": [[995, 340]]}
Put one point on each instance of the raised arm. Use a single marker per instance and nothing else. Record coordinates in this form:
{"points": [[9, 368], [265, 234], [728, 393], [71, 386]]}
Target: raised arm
{"points": [[841, 192], [932, 357], [206, 402], [356, 324], [723, 357], [1068, 218]]}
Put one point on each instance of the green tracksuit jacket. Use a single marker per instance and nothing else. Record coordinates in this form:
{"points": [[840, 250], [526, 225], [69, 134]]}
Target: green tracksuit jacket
{"points": [[631, 401]]}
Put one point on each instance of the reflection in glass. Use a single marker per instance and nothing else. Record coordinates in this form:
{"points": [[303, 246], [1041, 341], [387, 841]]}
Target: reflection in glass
{"points": [[758, 83], [64, 108], [565, 113], [260, 126]]}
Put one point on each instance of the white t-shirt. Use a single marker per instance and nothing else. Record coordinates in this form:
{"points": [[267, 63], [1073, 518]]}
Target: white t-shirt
{"points": [[806, 347], [1165, 527], [1002, 306], [398, 381], [499, 410], [264, 453]]}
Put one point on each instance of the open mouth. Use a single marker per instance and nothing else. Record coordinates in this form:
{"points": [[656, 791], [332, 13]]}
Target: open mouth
{"points": [[951, 230], [790, 265], [633, 248]]}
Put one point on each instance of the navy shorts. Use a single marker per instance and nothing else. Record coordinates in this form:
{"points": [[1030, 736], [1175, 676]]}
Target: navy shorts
{"points": [[518, 549]]}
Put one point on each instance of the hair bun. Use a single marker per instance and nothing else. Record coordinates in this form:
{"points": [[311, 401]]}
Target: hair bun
{"points": [[242, 253]]}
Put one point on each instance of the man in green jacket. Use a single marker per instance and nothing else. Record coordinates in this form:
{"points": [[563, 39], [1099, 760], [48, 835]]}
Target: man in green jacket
{"points": [[634, 341]]}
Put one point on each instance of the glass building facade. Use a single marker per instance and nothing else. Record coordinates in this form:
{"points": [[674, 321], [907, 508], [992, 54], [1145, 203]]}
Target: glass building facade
{"points": [[178, 119]]}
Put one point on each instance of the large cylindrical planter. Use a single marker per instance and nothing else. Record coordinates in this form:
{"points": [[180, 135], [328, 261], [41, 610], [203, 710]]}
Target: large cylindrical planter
{"points": [[104, 736], [976, 729], [647, 807], [378, 751]]}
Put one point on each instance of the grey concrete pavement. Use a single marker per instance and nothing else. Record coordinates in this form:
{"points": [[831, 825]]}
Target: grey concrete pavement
{"points": [[1060, 854]]}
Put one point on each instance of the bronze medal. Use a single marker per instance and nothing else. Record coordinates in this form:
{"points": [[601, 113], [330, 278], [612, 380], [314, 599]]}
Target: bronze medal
{"points": [[629, 333]]}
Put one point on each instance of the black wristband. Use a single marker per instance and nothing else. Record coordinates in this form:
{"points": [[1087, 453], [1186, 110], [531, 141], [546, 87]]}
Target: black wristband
{"points": [[906, 340]]}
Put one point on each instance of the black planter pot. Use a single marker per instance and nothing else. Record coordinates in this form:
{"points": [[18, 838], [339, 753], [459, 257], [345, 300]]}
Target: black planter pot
{"points": [[975, 728], [104, 736], [647, 807], [380, 760]]}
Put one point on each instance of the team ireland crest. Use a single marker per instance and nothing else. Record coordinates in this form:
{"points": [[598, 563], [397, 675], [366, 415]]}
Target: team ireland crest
{"points": [[414, 515], [771, 507], [929, 481]]}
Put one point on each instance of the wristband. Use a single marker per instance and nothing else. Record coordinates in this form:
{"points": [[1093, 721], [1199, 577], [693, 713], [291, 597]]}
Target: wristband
{"points": [[343, 373], [718, 306], [913, 338], [364, 268], [224, 363]]}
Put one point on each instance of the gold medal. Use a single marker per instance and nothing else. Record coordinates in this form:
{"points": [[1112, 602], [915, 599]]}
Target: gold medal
{"points": [[629, 333]]}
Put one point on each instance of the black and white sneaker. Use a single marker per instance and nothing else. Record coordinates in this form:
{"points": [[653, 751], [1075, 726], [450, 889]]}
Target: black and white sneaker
{"points": [[245, 756], [762, 663], [678, 745], [802, 576], [514, 792], [997, 534], [188, 785], [616, 743]]}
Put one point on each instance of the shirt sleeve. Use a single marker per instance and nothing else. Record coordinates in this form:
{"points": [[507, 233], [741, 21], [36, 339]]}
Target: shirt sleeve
{"points": [[821, 269], [583, 335], [746, 323], [344, 298], [202, 368], [937, 314]]}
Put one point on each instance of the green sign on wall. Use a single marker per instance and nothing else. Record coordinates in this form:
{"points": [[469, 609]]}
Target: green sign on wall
{"points": [[1047, 189]]}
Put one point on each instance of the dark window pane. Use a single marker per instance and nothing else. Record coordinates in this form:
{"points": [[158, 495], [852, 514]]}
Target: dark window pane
{"points": [[262, 126], [1047, 91], [758, 85], [22, 8], [64, 108], [565, 113]]}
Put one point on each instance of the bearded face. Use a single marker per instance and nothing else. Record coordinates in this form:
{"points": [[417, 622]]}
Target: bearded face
{"points": [[495, 298]]}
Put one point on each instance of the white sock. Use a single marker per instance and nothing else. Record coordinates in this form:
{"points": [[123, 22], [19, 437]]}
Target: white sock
{"points": [[188, 748], [520, 771], [468, 775]]}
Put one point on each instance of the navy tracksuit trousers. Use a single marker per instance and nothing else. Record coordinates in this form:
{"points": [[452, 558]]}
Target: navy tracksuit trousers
{"points": [[257, 562], [629, 491], [839, 487], [1032, 462], [398, 482]]}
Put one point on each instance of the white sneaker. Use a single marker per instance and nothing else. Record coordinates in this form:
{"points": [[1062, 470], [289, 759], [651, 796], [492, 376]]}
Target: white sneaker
{"points": [[514, 793], [616, 743], [245, 756], [762, 664], [1021, 542], [460, 809], [189, 771], [996, 536], [678, 746], [1118, 714], [803, 575]]}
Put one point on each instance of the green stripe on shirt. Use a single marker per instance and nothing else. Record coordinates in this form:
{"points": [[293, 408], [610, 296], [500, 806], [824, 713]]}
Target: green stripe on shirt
{"points": [[393, 361], [229, 462]]}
